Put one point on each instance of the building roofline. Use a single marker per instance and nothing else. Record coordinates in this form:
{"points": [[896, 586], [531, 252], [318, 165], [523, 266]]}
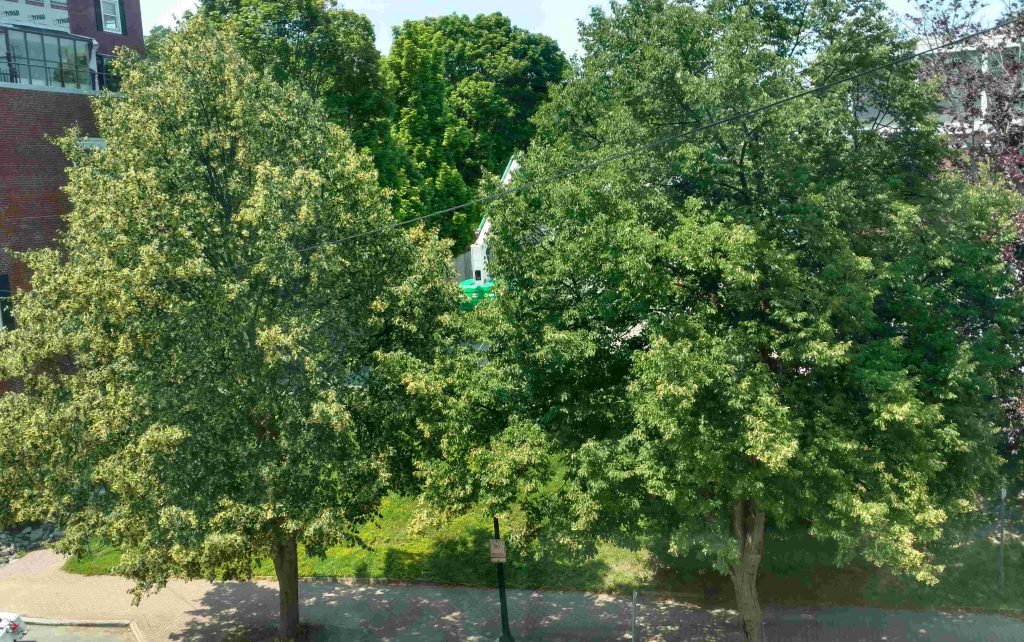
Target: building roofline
{"points": [[51, 89], [44, 30]]}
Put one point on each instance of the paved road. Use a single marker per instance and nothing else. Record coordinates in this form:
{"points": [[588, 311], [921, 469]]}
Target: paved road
{"points": [[39, 633], [199, 611]]}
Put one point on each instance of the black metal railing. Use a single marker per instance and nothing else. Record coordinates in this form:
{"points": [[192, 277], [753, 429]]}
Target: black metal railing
{"points": [[20, 71]]}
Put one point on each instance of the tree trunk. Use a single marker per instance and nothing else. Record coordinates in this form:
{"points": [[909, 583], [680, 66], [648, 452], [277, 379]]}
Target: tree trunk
{"points": [[748, 529], [286, 565]]}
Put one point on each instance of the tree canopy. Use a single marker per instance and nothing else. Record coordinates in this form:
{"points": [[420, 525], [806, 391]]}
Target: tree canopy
{"points": [[466, 89], [794, 318], [447, 107], [330, 52], [496, 76], [206, 363]]}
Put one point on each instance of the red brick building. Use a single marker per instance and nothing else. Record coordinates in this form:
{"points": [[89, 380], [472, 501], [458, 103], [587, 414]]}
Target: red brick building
{"points": [[54, 55]]}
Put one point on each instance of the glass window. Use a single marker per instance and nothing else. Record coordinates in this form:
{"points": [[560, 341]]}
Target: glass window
{"points": [[67, 61], [18, 44], [82, 64], [5, 68], [81, 53], [52, 56], [50, 49], [36, 66], [42, 59], [20, 55], [107, 78], [67, 52], [35, 47], [111, 16]]}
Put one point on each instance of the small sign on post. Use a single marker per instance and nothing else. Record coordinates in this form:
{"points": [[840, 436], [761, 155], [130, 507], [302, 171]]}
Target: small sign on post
{"points": [[498, 554], [498, 557]]}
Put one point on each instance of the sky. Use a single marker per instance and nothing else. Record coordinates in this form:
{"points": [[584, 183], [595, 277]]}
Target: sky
{"points": [[555, 18]]}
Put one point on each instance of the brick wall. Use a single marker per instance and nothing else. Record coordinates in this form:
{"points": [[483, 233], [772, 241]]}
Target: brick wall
{"points": [[82, 16], [32, 169], [32, 172]]}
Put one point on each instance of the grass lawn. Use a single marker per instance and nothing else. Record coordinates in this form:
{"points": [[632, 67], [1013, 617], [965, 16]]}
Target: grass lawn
{"points": [[797, 570], [100, 560], [455, 553]]}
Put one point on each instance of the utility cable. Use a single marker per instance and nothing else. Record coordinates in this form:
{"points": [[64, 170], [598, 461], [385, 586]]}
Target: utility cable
{"points": [[610, 158]]}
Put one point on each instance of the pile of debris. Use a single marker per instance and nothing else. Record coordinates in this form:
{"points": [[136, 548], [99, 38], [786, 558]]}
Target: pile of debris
{"points": [[14, 543]]}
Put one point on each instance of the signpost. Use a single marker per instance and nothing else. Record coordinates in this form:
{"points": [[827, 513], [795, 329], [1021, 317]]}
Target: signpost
{"points": [[1002, 532], [498, 556]]}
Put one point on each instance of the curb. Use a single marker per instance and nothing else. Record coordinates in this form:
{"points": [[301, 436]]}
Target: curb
{"points": [[128, 624], [680, 596], [355, 581], [396, 581], [42, 621]]}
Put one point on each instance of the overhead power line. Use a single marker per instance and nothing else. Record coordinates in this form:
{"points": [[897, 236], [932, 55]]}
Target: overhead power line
{"points": [[610, 158], [547, 180]]}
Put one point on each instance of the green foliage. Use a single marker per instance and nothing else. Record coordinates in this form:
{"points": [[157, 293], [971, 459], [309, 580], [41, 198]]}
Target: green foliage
{"points": [[396, 545], [466, 89], [798, 572], [96, 558], [207, 363], [496, 77], [155, 38], [429, 134], [796, 309], [449, 105], [330, 52]]}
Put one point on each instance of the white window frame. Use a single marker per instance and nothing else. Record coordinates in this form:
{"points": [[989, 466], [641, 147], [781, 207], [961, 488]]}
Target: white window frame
{"points": [[116, 15]]}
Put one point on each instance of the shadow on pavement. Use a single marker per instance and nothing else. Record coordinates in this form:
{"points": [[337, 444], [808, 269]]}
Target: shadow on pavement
{"points": [[233, 611], [248, 611]]}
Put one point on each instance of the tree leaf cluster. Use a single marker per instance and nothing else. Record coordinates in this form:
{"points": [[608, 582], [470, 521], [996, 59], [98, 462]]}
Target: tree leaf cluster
{"points": [[444, 109], [205, 364], [798, 311]]}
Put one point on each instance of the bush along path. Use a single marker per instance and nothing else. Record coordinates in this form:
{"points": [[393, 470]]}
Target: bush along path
{"points": [[799, 572]]}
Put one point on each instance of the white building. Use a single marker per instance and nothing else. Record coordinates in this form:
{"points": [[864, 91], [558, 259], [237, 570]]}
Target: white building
{"points": [[472, 265]]}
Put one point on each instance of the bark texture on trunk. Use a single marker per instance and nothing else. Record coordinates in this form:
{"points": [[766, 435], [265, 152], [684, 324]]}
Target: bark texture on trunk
{"points": [[748, 529], [286, 566]]}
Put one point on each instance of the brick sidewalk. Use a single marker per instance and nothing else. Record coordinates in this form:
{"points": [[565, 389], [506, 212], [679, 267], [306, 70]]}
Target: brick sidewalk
{"points": [[199, 611], [35, 585]]}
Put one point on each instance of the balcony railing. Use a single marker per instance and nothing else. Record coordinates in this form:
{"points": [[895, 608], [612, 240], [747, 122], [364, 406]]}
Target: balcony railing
{"points": [[25, 72]]}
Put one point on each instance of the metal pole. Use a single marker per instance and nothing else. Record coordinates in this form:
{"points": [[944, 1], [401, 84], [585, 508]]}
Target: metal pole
{"points": [[634, 638], [1002, 532], [506, 634]]}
